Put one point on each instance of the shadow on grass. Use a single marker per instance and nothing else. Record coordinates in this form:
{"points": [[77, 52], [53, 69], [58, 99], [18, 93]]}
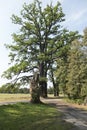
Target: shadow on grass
{"points": [[27, 116]]}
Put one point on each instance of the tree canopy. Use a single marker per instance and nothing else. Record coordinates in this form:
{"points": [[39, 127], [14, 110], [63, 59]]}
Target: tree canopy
{"points": [[72, 70], [38, 45]]}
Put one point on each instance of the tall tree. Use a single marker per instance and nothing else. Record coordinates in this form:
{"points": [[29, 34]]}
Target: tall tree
{"points": [[61, 73], [84, 65], [37, 42], [61, 69], [73, 84], [77, 71]]}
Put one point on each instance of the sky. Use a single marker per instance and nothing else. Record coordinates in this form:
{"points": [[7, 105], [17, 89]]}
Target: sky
{"points": [[75, 14]]}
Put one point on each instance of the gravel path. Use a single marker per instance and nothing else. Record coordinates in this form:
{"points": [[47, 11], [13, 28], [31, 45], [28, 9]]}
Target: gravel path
{"points": [[72, 114]]}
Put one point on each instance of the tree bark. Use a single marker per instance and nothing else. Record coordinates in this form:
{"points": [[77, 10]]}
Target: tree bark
{"points": [[56, 88], [43, 89], [35, 91], [43, 82]]}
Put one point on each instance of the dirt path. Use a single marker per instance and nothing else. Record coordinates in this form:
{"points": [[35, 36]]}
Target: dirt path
{"points": [[12, 102], [72, 114]]}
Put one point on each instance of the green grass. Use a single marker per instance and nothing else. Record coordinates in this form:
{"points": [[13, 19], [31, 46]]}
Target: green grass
{"points": [[27, 116]]}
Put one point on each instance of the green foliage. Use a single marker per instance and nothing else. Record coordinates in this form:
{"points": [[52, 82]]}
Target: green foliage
{"points": [[73, 77], [43, 45], [37, 44], [40, 41], [77, 71], [72, 68], [61, 73], [78, 101]]}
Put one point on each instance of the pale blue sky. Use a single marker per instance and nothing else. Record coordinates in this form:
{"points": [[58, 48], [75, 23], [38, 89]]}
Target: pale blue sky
{"points": [[76, 19]]}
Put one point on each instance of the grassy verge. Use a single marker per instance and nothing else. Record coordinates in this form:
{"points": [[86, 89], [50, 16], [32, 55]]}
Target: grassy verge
{"points": [[75, 104], [26, 116]]}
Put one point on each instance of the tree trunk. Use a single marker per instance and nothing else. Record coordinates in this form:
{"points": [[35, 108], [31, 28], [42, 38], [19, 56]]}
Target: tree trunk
{"points": [[43, 89], [56, 89], [35, 91], [43, 82]]}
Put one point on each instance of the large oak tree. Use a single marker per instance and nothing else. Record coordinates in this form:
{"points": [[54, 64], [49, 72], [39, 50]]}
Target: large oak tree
{"points": [[37, 45]]}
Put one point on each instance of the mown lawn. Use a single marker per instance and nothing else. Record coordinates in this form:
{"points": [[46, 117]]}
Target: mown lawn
{"points": [[27, 116]]}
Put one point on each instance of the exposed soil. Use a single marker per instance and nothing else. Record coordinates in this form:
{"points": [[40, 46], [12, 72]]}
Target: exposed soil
{"points": [[72, 113]]}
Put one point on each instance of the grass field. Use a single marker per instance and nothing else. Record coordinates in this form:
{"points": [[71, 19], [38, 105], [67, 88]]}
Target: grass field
{"points": [[17, 97], [14, 97], [27, 116]]}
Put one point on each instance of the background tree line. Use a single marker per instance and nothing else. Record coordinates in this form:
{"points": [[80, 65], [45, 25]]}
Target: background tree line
{"points": [[9, 88]]}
